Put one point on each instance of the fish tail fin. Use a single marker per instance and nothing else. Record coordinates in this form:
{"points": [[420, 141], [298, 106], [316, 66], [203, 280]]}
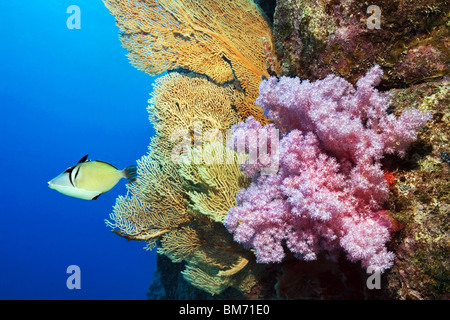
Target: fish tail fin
{"points": [[130, 173]]}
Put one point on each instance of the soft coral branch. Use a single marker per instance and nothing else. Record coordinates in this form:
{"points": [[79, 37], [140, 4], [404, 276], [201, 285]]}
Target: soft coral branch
{"points": [[330, 188]]}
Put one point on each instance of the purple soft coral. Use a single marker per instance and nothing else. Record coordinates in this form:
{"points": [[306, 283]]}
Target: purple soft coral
{"points": [[329, 190]]}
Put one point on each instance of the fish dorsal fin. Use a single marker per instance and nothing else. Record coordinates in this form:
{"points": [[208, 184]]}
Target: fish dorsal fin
{"points": [[83, 159], [109, 164]]}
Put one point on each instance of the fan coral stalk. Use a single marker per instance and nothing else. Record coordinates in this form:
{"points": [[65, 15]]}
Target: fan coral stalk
{"points": [[329, 191]]}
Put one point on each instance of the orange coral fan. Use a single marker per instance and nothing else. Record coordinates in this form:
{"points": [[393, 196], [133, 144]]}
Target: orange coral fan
{"points": [[182, 206], [223, 49], [223, 40], [179, 100], [154, 204]]}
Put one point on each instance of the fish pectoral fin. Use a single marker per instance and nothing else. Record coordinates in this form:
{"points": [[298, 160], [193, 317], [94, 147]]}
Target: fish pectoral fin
{"points": [[96, 197], [83, 159]]}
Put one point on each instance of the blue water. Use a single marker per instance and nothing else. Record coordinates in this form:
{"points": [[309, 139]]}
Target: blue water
{"points": [[63, 94]]}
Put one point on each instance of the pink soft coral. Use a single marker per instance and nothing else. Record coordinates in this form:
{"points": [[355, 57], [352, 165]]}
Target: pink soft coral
{"points": [[329, 191]]}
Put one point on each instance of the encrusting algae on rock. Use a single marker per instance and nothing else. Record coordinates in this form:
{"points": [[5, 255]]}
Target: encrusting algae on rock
{"points": [[316, 38], [420, 199]]}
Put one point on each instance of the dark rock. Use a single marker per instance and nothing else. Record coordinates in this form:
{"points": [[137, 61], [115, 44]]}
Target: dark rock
{"points": [[268, 7], [316, 38], [169, 284]]}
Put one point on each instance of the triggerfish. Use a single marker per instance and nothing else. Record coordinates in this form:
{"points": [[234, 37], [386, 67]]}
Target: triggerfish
{"points": [[89, 179]]}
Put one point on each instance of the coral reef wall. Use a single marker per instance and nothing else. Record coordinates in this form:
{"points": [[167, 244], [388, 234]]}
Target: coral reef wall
{"points": [[216, 53]]}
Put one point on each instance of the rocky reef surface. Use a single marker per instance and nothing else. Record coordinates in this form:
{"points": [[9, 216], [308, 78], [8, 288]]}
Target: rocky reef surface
{"points": [[408, 39]]}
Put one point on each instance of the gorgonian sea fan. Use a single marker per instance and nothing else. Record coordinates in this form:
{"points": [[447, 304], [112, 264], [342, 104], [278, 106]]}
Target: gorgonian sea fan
{"points": [[329, 191]]}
